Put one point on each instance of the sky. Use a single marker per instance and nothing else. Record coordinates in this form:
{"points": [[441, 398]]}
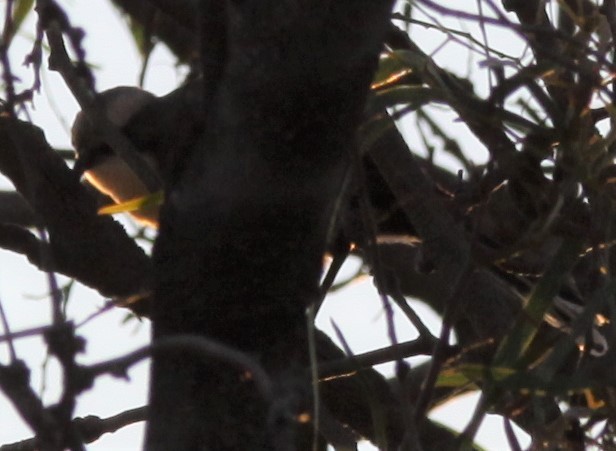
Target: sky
{"points": [[23, 290]]}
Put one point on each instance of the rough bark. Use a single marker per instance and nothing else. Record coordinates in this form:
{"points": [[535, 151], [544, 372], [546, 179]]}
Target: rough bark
{"points": [[244, 229]]}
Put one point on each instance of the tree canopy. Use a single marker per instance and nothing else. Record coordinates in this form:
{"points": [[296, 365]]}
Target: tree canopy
{"points": [[463, 154]]}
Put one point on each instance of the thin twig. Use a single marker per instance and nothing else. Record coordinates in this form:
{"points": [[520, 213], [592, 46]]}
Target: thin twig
{"points": [[514, 444], [470, 431], [369, 223], [328, 281], [7, 73], [91, 428], [201, 347], [26, 333], [439, 355], [7, 332], [350, 365], [412, 316], [60, 61], [314, 373]]}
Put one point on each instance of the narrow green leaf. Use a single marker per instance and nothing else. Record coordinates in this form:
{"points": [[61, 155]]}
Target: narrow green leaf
{"points": [[411, 95], [151, 200], [517, 341], [20, 12], [474, 376], [391, 67], [463, 375], [141, 38], [373, 129]]}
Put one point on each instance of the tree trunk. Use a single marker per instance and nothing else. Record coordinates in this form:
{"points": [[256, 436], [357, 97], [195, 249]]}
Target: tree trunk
{"points": [[247, 218]]}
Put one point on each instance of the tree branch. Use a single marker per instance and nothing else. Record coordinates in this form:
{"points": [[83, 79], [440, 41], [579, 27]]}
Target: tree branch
{"points": [[90, 428], [93, 249]]}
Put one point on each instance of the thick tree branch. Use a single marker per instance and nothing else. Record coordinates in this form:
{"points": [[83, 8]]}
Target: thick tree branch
{"points": [[15, 210], [93, 249]]}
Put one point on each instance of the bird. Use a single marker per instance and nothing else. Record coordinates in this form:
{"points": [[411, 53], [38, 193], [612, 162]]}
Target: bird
{"points": [[103, 168], [161, 129]]}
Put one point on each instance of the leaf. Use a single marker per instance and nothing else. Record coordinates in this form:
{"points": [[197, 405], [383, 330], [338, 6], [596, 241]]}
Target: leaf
{"points": [[393, 67], [463, 375], [515, 344], [20, 12], [138, 203], [389, 67], [412, 95], [473, 376], [373, 129]]}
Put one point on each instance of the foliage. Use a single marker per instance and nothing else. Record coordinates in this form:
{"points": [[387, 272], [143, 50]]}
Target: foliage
{"points": [[497, 211]]}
